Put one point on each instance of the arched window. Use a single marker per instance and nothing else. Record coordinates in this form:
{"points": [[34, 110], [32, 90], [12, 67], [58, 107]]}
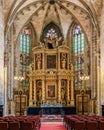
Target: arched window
{"points": [[51, 34], [24, 49], [25, 45], [78, 54]]}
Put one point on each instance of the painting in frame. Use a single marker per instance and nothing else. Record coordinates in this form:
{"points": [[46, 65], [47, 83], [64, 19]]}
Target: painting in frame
{"points": [[51, 61], [51, 92]]}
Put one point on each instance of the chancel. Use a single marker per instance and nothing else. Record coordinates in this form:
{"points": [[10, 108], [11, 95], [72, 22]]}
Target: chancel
{"points": [[51, 60]]}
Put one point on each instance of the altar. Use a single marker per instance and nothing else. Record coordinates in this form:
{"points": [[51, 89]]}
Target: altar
{"points": [[51, 78], [51, 110]]}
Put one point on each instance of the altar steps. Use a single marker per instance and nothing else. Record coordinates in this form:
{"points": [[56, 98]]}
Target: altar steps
{"points": [[51, 118]]}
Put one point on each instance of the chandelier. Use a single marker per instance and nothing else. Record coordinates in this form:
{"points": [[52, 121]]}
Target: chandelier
{"points": [[19, 78], [84, 77]]}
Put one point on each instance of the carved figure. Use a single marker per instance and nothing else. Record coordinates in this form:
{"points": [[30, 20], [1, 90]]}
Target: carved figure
{"points": [[52, 41], [71, 66], [30, 68], [38, 59], [38, 64], [62, 94], [63, 64], [40, 94]]}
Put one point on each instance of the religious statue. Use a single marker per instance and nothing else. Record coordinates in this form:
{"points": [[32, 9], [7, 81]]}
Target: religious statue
{"points": [[63, 64], [38, 61], [30, 68], [38, 64], [71, 66], [62, 94], [39, 95], [52, 41], [63, 60]]}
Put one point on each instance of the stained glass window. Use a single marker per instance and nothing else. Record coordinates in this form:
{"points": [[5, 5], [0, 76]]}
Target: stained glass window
{"points": [[78, 54], [24, 40], [24, 49], [51, 33]]}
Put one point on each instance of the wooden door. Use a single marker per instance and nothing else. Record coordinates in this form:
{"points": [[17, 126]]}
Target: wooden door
{"points": [[21, 104], [82, 104]]}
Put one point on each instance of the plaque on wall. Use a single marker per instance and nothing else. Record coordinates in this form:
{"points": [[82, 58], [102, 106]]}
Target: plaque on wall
{"points": [[51, 61]]}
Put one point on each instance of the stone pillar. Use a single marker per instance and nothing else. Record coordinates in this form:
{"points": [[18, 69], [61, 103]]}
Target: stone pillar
{"points": [[2, 86], [3, 97], [92, 109], [98, 102], [12, 64], [13, 107], [102, 56]]}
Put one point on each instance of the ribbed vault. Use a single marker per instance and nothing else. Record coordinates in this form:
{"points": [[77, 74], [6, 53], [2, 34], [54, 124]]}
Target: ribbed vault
{"points": [[42, 12]]}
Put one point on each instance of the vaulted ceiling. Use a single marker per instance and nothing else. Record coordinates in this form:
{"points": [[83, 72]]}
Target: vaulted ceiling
{"points": [[41, 12]]}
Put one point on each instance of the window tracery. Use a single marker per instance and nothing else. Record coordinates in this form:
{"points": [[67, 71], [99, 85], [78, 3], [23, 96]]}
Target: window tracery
{"points": [[51, 36], [78, 54], [25, 45]]}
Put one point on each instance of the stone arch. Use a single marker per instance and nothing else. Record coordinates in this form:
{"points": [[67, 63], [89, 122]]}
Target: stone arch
{"points": [[48, 26]]}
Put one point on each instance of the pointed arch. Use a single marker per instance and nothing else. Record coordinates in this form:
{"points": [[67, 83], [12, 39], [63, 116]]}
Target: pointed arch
{"points": [[26, 41], [79, 54], [57, 31]]}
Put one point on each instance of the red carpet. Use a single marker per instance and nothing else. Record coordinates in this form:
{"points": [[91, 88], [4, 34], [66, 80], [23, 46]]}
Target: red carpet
{"points": [[52, 127]]}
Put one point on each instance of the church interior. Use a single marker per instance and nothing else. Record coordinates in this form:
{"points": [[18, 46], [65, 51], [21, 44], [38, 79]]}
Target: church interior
{"points": [[52, 57]]}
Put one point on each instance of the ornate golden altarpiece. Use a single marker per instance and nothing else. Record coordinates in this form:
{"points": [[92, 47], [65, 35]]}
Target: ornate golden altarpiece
{"points": [[51, 77]]}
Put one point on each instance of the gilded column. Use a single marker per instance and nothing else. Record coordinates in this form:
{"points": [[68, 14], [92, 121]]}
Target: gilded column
{"points": [[43, 63], [35, 90], [43, 89], [12, 64], [59, 90], [30, 93], [58, 61], [34, 62], [67, 89], [72, 92], [68, 93]]}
